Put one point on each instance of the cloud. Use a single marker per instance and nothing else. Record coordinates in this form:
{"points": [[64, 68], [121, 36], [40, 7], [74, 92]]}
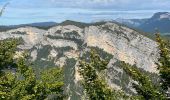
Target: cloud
{"points": [[93, 4], [27, 11]]}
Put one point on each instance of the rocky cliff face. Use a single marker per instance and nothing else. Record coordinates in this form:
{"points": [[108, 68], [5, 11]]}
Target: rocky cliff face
{"points": [[62, 45]]}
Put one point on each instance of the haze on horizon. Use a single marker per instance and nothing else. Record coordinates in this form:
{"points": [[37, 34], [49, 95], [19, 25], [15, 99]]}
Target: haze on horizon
{"points": [[30, 11]]}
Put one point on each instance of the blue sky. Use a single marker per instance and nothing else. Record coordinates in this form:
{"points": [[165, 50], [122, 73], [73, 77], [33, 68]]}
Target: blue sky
{"points": [[29, 11]]}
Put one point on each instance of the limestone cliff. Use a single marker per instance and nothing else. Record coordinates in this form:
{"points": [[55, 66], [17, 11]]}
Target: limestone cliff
{"points": [[62, 45]]}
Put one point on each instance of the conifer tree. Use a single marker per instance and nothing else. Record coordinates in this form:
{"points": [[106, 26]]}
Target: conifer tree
{"points": [[143, 85], [7, 52], [21, 83], [164, 62]]}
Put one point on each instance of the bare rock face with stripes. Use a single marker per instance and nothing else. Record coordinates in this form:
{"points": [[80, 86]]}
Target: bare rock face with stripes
{"points": [[63, 44]]}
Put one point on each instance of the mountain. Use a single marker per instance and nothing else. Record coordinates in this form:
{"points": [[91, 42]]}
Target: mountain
{"points": [[159, 21], [131, 22], [43, 25], [63, 44]]}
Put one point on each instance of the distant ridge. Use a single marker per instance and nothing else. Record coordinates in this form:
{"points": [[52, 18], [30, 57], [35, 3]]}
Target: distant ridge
{"points": [[47, 25], [159, 21], [82, 24], [43, 25]]}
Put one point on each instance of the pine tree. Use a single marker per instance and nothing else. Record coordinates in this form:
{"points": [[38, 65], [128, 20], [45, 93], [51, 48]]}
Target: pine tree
{"points": [[143, 85], [164, 62], [7, 52]]}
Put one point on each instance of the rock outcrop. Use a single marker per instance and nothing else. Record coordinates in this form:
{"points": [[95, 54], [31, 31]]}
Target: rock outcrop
{"points": [[62, 45]]}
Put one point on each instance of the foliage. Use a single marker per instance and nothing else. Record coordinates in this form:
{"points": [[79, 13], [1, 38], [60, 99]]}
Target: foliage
{"points": [[71, 36], [7, 52], [93, 82], [103, 54], [18, 32], [22, 83], [52, 80], [164, 62], [78, 24], [143, 85]]}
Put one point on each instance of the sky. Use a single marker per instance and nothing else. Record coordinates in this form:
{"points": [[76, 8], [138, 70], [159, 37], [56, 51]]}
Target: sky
{"points": [[31, 11]]}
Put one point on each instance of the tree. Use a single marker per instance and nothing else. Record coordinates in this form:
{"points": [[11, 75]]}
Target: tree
{"points": [[94, 84], [3, 8], [164, 62], [7, 52], [22, 83], [143, 85]]}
